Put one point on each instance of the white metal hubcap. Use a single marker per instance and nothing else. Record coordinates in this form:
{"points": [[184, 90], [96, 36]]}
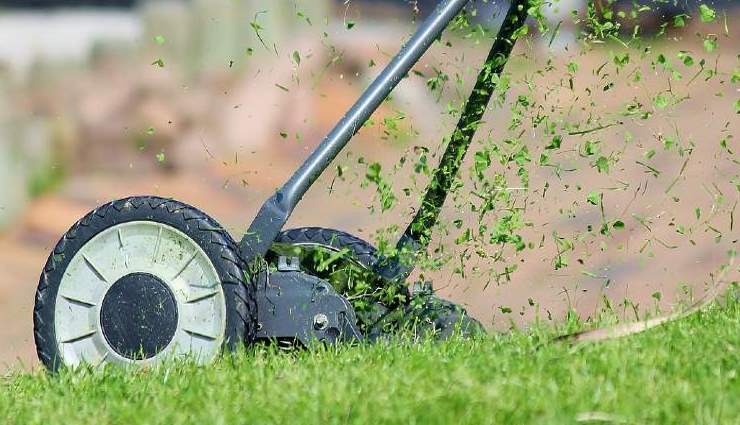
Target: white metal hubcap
{"points": [[141, 247]]}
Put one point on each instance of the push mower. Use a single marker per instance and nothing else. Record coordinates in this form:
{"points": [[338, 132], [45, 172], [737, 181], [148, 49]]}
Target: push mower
{"points": [[142, 279]]}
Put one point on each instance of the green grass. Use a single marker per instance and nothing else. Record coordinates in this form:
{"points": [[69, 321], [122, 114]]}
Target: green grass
{"points": [[681, 373]]}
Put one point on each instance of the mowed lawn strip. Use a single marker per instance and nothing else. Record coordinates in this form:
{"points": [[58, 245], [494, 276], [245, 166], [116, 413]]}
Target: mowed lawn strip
{"points": [[683, 372]]}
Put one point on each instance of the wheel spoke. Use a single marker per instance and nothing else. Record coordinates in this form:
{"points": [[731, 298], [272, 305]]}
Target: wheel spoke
{"points": [[78, 302], [157, 244], [195, 254], [102, 360], [200, 335], [94, 269], [85, 335], [203, 297]]}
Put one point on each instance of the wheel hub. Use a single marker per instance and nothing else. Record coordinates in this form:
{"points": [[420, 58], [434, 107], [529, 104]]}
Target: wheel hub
{"points": [[139, 316]]}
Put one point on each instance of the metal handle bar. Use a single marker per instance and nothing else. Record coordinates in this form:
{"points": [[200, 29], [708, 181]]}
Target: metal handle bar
{"points": [[275, 211]]}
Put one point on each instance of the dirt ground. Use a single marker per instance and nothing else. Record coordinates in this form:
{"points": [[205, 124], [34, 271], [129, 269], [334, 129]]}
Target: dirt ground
{"points": [[212, 180]]}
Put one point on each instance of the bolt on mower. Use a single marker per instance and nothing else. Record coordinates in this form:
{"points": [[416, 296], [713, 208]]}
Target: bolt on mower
{"points": [[142, 279]]}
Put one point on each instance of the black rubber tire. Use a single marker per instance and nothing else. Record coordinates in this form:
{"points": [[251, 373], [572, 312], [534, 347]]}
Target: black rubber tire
{"points": [[241, 309], [443, 319], [362, 252]]}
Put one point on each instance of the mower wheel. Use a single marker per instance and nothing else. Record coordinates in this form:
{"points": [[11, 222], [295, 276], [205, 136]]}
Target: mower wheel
{"points": [[140, 280], [361, 252], [355, 264], [423, 312], [353, 249]]}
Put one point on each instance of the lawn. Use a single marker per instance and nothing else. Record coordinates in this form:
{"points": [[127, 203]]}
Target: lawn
{"points": [[680, 373]]}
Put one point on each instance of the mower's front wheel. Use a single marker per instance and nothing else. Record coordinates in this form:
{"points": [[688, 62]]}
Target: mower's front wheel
{"points": [[140, 280]]}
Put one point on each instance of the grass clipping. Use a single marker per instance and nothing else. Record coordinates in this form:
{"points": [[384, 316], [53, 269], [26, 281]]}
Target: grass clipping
{"points": [[721, 287]]}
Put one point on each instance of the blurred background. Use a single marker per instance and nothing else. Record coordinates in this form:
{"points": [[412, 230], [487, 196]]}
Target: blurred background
{"points": [[215, 102]]}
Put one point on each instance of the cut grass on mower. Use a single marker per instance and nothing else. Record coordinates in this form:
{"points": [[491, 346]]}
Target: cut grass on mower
{"points": [[682, 372]]}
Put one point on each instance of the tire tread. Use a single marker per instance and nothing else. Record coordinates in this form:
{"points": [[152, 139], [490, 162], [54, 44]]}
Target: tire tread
{"points": [[242, 296]]}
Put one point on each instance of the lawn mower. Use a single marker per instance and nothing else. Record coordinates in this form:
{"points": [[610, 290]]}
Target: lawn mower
{"points": [[143, 279]]}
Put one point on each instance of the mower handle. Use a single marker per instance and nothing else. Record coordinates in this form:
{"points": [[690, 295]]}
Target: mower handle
{"points": [[275, 212]]}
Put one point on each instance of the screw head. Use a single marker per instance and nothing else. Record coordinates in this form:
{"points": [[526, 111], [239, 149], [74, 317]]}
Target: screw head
{"points": [[320, 321]]}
